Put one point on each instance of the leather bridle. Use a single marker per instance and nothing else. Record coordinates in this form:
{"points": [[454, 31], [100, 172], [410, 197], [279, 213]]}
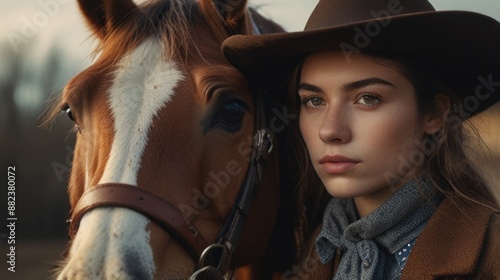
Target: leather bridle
{"points": [[213, 259]]}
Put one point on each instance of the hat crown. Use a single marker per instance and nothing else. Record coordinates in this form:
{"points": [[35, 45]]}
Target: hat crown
{"points": [[331, 13]]}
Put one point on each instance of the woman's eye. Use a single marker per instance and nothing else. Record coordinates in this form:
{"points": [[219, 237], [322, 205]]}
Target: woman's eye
{"points": [[368, 99], [231, 115], [312, 102]]}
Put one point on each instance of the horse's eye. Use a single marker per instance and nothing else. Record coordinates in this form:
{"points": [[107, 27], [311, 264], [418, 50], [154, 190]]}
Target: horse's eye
{"points": [[65, 108], [230, 117]]}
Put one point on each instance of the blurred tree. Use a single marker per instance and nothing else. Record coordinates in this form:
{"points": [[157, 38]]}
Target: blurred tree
{"points": [[27, 80]]}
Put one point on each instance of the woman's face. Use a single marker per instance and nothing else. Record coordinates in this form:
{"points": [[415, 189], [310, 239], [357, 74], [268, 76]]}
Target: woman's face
{"points": [[360, 123]]}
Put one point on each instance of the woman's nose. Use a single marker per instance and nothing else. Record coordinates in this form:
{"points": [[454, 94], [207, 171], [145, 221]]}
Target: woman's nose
{"points": [[335, 126]]}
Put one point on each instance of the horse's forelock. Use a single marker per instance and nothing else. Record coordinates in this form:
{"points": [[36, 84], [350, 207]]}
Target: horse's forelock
{"points": [[169, 21], [172, 21]]}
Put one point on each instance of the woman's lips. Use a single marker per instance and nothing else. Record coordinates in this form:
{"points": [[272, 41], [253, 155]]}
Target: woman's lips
{"points": [[337, 164]]}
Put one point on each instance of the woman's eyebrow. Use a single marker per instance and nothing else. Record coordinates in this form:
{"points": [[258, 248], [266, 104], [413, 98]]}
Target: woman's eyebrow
{"points": [[309, 87], [366, 82], [348, 86]]}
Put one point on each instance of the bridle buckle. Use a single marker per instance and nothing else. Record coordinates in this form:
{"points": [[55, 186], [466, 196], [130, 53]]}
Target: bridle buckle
{"points": [[214, 261], [263, 138]]}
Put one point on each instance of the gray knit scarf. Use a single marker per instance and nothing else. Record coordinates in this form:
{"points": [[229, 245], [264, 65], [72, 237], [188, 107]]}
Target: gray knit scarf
{"points": [[369, 243]]}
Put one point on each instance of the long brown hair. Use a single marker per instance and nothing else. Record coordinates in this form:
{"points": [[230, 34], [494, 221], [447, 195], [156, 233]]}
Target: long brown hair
{"points": [[446, 163], [311, 195]]}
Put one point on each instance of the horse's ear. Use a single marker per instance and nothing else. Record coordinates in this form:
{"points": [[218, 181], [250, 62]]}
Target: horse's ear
{"points": [[104, 16], [231, 12]]}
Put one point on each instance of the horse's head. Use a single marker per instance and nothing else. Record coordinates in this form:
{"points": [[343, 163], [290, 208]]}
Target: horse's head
{"points": [[162, 111]]}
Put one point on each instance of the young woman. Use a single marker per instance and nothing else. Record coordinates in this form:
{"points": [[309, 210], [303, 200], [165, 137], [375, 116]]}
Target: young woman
{"points": [[384, 90]]}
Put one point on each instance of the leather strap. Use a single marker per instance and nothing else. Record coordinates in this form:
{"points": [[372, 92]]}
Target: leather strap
{"points": [[156, 208], [231, 230]]}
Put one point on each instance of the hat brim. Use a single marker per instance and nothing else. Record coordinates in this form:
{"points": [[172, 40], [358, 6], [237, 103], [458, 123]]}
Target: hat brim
{"points": [[464, 45]]}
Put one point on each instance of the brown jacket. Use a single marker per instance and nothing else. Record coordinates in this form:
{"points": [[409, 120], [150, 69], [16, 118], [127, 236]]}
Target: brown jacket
{"points": [[460, 241]]}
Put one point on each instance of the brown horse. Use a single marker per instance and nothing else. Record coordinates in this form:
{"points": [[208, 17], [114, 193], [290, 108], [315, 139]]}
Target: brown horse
{"points": [[165, 140]]}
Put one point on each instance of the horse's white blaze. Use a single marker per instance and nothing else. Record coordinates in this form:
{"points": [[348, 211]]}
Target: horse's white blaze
{"points": [[107, 238], [143, 84]]}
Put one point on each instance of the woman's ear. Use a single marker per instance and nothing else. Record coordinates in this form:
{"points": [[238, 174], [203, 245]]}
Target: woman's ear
{"points": [[436, 119]]}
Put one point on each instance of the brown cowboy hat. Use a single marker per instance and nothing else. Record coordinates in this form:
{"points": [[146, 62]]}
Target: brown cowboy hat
{"points": [[460, 45]]}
